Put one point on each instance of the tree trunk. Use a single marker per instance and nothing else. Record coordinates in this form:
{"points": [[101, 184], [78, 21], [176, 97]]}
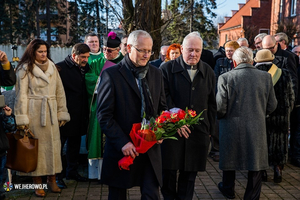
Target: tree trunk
{"points": [[146, 15]]}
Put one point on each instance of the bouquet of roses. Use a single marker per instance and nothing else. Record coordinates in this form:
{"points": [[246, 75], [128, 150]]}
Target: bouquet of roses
{"points": [[144, 135]]}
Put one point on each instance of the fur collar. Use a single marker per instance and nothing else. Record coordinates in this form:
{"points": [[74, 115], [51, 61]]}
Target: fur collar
{"points": [[37, 72]]}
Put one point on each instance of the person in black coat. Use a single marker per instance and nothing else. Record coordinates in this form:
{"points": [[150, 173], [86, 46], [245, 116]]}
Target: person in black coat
{"points": [[72, 72], [283, 59], [278, 121], [189, 83], [122, 101], [208, 57], [7, 78]]}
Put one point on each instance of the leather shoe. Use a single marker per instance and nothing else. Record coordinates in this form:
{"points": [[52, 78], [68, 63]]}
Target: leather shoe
{"points": [[277, 174], [216, 158], [227, 195], [61, 184], [77, 177]]}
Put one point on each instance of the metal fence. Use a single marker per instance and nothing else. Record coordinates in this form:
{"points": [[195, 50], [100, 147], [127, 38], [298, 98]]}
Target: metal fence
{"points": [[57, 53]]}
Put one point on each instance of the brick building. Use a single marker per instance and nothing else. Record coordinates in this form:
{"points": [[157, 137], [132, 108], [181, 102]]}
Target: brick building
{"points": [[262, 16]]}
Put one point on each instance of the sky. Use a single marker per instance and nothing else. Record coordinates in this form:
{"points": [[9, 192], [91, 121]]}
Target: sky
{"points": [[224, 7]]}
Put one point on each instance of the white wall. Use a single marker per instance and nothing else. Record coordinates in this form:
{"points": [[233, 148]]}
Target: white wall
{"points": [[57, 53]]}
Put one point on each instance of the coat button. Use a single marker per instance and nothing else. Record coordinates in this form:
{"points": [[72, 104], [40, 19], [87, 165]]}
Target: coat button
{"points": [[192, 106], [193, 88]]}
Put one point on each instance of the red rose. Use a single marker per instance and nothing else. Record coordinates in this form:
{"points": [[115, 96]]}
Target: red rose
{"points": [[181, 114]]}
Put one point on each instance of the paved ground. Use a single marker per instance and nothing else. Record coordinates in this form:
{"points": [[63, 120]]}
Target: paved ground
{"points": [[205, 188]]}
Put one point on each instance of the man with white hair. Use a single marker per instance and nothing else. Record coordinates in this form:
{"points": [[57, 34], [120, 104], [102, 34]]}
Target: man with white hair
{"points": [[189, 83], [258, 41], [243, 42], [127, 91], [242, 110]]}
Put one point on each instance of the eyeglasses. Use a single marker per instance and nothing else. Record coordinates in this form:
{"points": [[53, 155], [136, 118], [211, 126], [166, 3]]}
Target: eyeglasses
{"points": [[271, 48], [257, 43], [109, 50], [144, 51]]}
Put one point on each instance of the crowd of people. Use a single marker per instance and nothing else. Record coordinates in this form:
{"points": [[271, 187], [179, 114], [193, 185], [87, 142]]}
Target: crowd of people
{"points": [[101, 93]]}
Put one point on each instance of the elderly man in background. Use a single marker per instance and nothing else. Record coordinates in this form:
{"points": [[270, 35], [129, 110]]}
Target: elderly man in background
{"points": [[258, 41], [189, 82], [296, 50], [283, 59], [111, 52], [222, 66], [126, 92], [92, 41], [242, 109], [162, 56], [243, 42], [283, 40]]}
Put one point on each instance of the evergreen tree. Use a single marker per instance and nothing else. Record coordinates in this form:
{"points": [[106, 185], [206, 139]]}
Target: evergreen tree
{"points": [[178, 24]]}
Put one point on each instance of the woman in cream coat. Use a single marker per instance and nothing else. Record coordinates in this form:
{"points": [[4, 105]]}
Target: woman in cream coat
{"points": [[41, 105]]}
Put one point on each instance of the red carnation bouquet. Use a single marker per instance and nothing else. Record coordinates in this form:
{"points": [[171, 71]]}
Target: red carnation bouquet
{"points": [[144, 135]]}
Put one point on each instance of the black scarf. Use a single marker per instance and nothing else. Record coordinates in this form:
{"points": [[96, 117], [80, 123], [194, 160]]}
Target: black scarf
{"points": [[140, 74]]}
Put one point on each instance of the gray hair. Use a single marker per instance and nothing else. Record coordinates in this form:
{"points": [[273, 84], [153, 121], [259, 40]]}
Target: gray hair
{"points": [[260, 36], [243, 55], [133, 36], [194, 34], [241, 40], [282, 36]]}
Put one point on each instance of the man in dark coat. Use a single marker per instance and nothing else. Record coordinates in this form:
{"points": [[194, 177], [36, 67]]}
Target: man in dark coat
{"points": [[72, 72], [283, 59], [127, 91], [189, 83], [242, 110]]}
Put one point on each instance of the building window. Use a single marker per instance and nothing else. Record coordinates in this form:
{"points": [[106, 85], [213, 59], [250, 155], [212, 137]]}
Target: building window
{"points": [[293, 7], [226, 37], [267, 31]]}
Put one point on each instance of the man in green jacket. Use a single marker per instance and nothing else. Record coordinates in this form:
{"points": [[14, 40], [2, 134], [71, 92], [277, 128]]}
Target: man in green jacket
{"points": [[111, 52]]}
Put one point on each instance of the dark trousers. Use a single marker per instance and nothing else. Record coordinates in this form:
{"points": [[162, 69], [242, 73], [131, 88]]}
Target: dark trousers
{"points": [[185, 188], [149, 187], [295, 134], [253, 188], [72, 155]]}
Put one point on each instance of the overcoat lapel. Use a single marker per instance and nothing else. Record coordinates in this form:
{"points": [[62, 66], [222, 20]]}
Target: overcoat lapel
{"points": [[177, 68], [130, 79]]}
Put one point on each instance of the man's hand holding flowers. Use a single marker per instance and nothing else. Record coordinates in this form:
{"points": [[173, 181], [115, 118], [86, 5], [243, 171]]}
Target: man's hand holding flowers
{"points": [[184, 131], [148, 133], [129, 150]]}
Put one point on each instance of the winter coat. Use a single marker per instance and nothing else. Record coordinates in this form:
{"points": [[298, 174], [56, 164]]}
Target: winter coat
{"points": [[279, 120], [286, 60], [41, 103], [189, 154], [223, 65], [77, 101], [208, 57], [245, 97], [119, 106]]}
